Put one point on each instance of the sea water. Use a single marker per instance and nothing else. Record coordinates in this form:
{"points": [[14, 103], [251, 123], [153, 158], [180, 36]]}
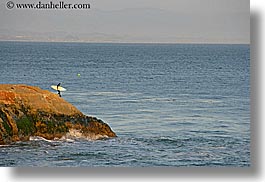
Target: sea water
{"points": [[169, 104]]}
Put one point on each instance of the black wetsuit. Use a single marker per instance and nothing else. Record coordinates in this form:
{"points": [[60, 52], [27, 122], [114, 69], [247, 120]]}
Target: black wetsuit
{"points": [[59, 93]]}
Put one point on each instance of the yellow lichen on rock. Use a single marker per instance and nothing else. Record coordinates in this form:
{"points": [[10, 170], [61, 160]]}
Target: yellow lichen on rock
{"points": [[28, 110]]}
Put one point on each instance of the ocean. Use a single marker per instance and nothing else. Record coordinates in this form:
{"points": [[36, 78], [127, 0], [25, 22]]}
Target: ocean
{"points": [[170, 104]]}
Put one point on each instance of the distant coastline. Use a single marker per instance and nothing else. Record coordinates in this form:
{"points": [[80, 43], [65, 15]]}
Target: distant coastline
{"points": [[159, 43]]}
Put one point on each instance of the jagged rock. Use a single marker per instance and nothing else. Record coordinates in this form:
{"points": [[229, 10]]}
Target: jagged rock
{"points": [[30, 111]]}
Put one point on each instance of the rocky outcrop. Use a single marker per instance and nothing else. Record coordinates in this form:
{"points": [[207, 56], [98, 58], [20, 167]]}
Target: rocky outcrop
{"points": [[30, 111]]}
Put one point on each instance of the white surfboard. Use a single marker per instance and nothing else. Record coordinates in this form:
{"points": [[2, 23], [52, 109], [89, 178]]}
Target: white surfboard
{"points": [[59, 88]]}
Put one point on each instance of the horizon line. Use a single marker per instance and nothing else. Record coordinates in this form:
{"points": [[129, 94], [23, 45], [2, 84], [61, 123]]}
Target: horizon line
{"points": [[116, 42]]}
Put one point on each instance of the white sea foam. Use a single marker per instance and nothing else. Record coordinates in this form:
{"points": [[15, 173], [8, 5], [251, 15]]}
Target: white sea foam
{"points": [[74, 134], [4, 145], [38, 138], [71, 136]]}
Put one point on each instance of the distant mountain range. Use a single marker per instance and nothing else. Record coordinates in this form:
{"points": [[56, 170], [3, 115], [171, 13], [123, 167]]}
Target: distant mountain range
{"points": [[126, 25]]}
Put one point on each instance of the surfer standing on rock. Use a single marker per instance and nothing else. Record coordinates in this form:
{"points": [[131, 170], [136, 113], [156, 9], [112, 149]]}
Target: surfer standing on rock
{"points": [[58, 88], [59, 93]]}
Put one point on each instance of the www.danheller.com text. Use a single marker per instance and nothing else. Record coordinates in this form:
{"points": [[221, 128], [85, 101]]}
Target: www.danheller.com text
{"points": [[47, 5]]}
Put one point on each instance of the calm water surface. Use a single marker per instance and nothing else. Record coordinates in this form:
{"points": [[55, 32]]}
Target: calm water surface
{"points": [[169, 104]]}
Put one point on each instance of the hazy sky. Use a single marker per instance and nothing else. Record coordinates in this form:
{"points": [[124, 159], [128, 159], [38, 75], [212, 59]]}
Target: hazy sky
{"points": [[175, 21], [174, 5]]}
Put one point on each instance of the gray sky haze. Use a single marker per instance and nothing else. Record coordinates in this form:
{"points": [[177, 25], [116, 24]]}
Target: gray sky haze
{"points": [[143, 21]]}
